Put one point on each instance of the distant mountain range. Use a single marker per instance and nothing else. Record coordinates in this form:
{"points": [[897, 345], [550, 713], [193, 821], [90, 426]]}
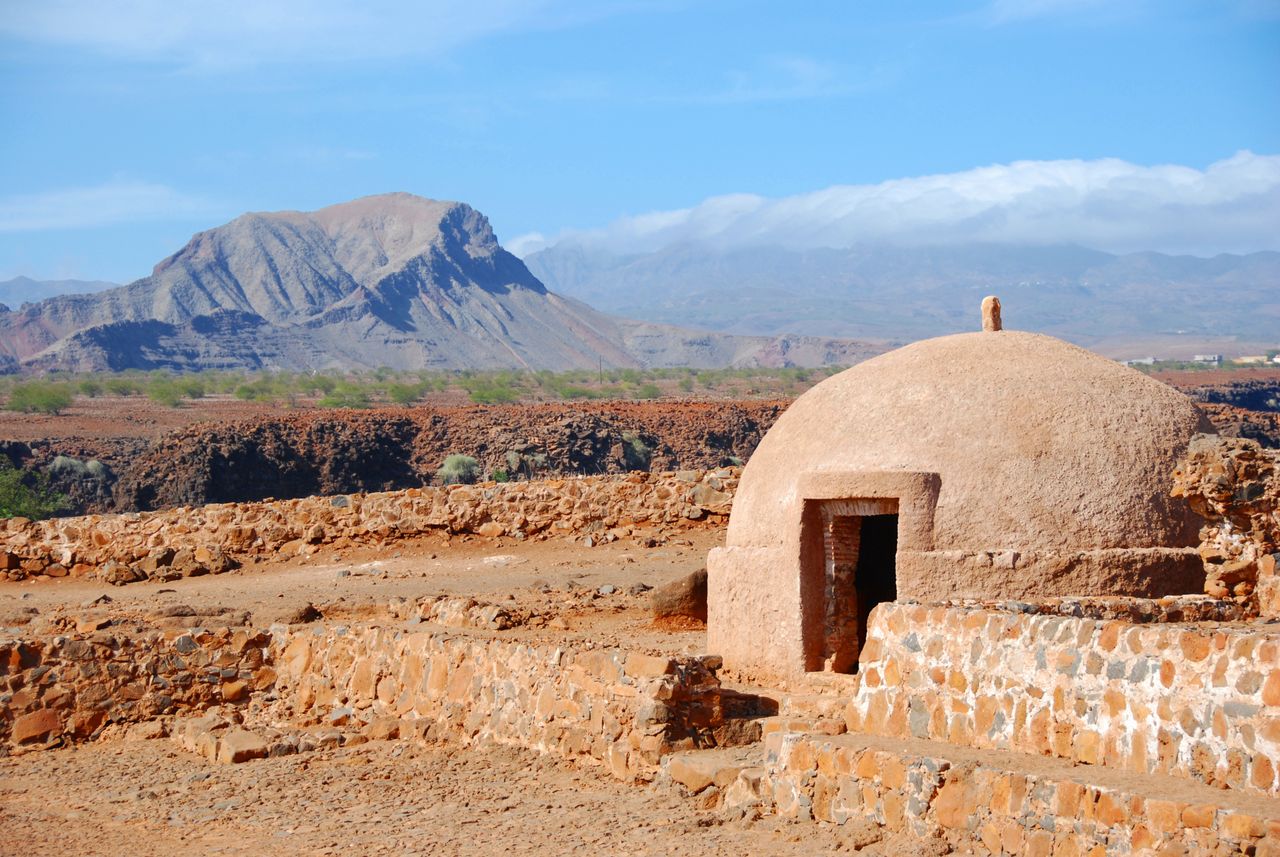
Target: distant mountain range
{"points": [[393, 280], [1092, 298], [20, 290]]}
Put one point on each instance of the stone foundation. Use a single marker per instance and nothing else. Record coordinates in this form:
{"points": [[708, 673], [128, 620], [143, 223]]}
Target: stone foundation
{"points": [[992, 803]]}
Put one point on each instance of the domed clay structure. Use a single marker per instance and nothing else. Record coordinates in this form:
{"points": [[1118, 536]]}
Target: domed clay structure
{"points": [[982, 465]]}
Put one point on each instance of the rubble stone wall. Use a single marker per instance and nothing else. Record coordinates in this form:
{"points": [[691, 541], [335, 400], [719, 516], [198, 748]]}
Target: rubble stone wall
{"points": [[1234, 484], [979, 804], [69, 688], [1194, 701], [624, 709], [193, 540]]}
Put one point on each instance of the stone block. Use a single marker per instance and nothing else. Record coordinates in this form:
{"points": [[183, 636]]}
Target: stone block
{"points": [[39, 725], [240, 745]]}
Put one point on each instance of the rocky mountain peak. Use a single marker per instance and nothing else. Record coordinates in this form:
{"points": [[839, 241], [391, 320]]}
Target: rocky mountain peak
{"points": [[388, 280]]}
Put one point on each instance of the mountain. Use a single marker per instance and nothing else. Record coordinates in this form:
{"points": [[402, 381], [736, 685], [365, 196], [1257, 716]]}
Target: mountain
{"points": [[391, 280], [1083, 295], [21, 290]]}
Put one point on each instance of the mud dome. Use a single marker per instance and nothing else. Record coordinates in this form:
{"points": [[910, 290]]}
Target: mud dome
{"points": [[985, 465]]}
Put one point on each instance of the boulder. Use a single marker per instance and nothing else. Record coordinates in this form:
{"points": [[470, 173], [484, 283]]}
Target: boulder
{"points": [[685, 598]]}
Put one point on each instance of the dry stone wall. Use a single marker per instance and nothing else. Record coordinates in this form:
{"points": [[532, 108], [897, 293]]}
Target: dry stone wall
{"points": [[1235, 485], [209, 539], [1201, 702], [623, 709], [72, 687]]}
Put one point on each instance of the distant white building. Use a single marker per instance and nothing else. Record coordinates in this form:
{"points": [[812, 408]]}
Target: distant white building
{"points": [[1141, 361], [1207, 358]]}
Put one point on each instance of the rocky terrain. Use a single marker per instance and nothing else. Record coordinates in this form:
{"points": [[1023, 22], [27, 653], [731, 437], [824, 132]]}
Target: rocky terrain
{"points": [[392, 280], [301, 453], [216, 538]]}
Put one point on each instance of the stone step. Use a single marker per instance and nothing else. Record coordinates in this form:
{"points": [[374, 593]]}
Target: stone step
{"points": [[773, 728], [701, 770], [813, 705]]}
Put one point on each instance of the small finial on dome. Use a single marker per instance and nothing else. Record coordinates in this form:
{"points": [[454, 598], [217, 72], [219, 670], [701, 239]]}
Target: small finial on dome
{"points": [[991, 314]]}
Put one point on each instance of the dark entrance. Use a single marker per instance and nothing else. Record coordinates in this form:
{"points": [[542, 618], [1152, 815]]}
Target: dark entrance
{"points": [[875, 579]]}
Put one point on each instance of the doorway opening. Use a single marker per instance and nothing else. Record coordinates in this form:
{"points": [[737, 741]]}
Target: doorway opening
{"points": [[859, 571]]}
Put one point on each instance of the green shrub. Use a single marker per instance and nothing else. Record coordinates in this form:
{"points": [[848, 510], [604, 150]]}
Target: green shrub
{"points": [[405, 394], [525, 463], [648, 391], [570, 392], [492, 394], [121, 386], [500, 475], [636, 454], [190, 386], [321, 384], [345, 395], [458, 469], [90, 387], [24, 494], [164, 392], [39, 397], [66, 467]]}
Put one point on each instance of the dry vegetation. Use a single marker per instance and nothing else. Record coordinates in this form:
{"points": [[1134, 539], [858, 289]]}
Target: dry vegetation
{"points": [[56, 393]]}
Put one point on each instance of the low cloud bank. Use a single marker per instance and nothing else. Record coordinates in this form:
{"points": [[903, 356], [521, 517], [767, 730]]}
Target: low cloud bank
{"points": [[1231, 206]]}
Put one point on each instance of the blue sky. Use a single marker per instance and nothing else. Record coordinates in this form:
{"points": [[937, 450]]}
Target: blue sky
{"points": [[128, 126]]}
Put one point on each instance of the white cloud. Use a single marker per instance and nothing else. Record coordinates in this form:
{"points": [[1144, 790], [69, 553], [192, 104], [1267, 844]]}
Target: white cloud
{"points": [[240, 32], [113, 202], [522, 245], [1110, 204]]}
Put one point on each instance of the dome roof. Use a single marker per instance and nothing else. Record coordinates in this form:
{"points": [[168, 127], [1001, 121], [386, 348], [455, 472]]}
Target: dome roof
{"points": [[1039, 445]]}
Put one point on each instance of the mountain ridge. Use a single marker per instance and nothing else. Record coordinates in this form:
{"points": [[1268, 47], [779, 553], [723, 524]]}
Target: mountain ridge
{"points": [[881, 291], [392, 279]]}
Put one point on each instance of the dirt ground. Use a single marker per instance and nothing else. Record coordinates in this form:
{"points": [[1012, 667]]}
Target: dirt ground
{"points": [[140, 798], [595, 592]]}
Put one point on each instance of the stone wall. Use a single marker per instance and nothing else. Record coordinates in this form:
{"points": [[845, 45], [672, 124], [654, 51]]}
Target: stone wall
{"points": [[70, 688], [1235, 485], [985, 807], [1196, 701], [204, 539], [623, 709]]}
